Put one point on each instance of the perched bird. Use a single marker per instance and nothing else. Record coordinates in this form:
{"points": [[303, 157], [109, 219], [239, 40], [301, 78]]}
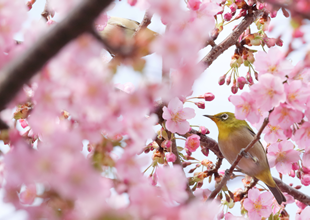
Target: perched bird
{"points": [[236, 134], [122, 30]]}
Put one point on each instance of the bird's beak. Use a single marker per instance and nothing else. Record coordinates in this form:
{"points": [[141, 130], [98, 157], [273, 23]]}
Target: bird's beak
{"points": [[210, 116]]}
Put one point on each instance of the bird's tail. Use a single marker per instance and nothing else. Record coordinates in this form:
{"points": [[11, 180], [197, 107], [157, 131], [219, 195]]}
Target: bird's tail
{"points": [[277, 194]]}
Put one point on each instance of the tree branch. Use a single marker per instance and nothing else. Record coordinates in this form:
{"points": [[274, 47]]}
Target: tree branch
{"points": [[21, 69], [293, 192], [231, 39]]}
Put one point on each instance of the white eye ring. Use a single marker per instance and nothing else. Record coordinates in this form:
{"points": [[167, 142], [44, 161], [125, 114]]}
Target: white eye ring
{"points": [[224, 116]]}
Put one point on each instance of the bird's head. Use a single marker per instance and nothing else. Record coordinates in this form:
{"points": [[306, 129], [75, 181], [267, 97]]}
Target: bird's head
{"points": [[223, 118]]}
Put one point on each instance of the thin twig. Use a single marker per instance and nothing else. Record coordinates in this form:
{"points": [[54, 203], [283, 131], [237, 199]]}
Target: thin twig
{"points": [[145, 22], [229, 172], [231, 39]]}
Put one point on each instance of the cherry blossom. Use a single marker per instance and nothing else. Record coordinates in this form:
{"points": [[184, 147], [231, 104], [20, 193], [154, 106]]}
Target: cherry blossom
{"points": [[192, 143], [273, 63], [269, 92], [176, 116], [258, 205], [296, 94], [173, 183], [245, 107], [273, 133], [28, 196], [302, 136], [304, 214], [282, 155], [285, 116]]}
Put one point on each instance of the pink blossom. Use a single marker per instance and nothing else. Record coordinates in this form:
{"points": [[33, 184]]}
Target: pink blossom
{"points": [[170, 157], [204, 130], [28, 195], [258, 205], [132, 2], [229, 216], [200, 210], [300, 73], [273, 133], [192, 142], [296, 94], [306, 159], [284, 116], [302, 136], [269, 92], [245, 107], [227, 16], [273, 63], [282, 155], [194, 4], [176, 116], [169, 10], [304, 214], [173, 182]]}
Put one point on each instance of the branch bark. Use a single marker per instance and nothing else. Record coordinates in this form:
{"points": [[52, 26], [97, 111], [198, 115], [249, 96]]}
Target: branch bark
{"points": [[231, 39], [21, 69]]}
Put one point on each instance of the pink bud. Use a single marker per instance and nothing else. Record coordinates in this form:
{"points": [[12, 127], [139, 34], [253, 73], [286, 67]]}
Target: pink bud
{"points": [[292, 173], [228, 80], [249, 78], [170, 157], [298, 187], [256, 75], [233, 7], [222, 80], [295, 166], [273, 14], [298, 33], [305, 179], [305, 170], [279, 42], [209, 96], [301, 205], [205, 151], [132, 2], [204, 130], [288, 132], [234, 88], [23, 123], [200, 105], [241, 82], [166, 144], [185, 164], [227, 16]]}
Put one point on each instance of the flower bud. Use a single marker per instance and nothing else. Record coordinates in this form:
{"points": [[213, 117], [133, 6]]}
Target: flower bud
{"points": [[204, 130], [292, 173], [222, 80], [298, 187], [295, 166], [241, 82], [227, 16], [209, 96], [170, 157], [234, 88], [249, 78], [166, 144], [305, 179], [256, 75], [205, 151], [200, 105], [233, 7], [228, 80]]}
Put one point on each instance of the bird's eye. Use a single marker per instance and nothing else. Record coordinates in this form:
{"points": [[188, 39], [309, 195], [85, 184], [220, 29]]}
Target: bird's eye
{"points": [[224, 116]]}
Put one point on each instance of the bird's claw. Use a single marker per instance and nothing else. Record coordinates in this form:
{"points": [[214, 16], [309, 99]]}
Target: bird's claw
{"points": [[248, 155]]}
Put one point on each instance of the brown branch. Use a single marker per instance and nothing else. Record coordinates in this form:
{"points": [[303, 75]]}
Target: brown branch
{"points": [[229, 172], [231, 39], [206, 142], [145, 22], [21, 69], [293, 192]]}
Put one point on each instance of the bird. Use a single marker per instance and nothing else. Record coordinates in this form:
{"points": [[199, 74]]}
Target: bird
{"points": [[234, 135], [127, 27]]}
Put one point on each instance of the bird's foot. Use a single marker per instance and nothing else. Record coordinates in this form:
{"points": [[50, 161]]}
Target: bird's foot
{"points": [[248, 155]]}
